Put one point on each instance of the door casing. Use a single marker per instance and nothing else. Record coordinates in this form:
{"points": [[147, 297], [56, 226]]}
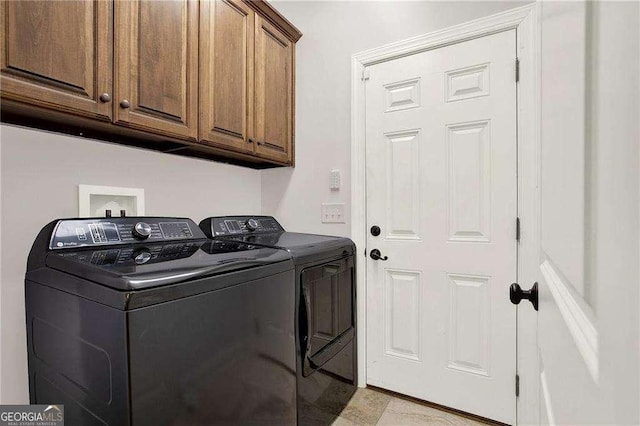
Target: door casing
{"points": [[524, 20]]}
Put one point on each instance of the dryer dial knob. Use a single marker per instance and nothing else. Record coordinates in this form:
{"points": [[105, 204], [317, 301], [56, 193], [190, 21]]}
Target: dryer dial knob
{"points": [[141, 231], [251, 224]]}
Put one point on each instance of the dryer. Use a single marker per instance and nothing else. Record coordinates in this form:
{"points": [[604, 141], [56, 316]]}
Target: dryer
{"points": [[325, 309], [144, 321]]}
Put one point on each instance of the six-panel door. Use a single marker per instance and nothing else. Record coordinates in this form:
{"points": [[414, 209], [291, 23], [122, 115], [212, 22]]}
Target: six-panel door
{"points": [[274, 93], [57, 54], [441, 157], [156, 70], [226, 74]]}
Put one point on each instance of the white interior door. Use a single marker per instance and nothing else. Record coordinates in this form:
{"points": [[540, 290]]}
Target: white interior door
{"points": [[588, 257], [441, 155]]}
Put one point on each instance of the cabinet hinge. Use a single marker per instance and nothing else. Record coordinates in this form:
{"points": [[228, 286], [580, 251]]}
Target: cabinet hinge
{"points": [[517, 70], [518, 229], [517, 385], [365, 74]]}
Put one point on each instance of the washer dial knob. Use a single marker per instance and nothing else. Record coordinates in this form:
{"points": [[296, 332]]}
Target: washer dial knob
{"points": [[252, 224], [141, 231]]}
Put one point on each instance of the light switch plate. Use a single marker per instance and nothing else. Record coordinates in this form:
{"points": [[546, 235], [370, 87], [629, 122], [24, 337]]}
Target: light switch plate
{"points": [[333, 213], [334, 180]]}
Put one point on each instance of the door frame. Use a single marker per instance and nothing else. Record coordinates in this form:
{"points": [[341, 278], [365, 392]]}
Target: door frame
{"points": [[524, 20]]}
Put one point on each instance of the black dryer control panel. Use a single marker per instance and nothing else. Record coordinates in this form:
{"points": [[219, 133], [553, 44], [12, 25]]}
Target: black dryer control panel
{"points": [[239, 225]]}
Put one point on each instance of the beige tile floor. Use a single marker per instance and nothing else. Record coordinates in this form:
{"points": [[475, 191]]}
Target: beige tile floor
{"points": [[369, 407]]}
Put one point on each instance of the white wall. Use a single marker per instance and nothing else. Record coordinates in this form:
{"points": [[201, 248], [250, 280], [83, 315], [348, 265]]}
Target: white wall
{"points": [[40, 173], [332, 33]]}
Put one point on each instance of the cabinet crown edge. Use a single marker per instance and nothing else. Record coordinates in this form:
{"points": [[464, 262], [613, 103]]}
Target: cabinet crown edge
{"points": [[269, 13]]}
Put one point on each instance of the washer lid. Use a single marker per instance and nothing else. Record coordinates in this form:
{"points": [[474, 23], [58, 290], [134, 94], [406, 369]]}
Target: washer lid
{"points": [[137, 267], [266, 231], [303, 247]]}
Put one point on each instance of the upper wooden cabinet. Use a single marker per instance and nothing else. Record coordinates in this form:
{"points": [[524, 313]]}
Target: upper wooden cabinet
{"points": [[226, 74], [58, 54], [246, 80], [274, 93], [200, 77], [156, 57]]}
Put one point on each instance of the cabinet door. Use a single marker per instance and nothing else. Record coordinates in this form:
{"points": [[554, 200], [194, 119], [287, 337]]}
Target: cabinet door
{"points": [[156, 51], [274, 93], [58, 54], [226, 73]]}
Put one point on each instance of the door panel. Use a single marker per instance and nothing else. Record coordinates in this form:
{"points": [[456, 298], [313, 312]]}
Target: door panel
{"points": [[588, 253], [157, 71], [442, 185], [58, 54], [402, 311], [226, 73], [403, 193], [469, 164], [274, 93], [469, 337], [562, 218]]}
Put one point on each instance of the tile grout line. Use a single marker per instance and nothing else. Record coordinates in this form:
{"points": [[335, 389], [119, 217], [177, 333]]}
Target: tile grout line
{"points": [[384, 410]]}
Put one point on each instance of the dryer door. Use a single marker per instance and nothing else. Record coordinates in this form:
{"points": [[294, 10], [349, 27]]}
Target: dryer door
{"points": [[327, 311]]}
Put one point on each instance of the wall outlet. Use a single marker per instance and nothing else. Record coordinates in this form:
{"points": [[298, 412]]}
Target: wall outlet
{"points": [[333, 213]]}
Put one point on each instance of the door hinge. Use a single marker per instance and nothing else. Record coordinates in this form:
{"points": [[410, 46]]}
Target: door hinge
{"points": [[365, 74], [517, 70], [517, 385], [518, 229]]}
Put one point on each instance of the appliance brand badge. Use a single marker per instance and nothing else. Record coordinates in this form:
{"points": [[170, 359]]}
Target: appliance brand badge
{"points": [[66, 244], [31, 415]]}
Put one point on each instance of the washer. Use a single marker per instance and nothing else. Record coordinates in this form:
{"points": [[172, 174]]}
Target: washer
{"points": [[144, 321], [325, 309]]}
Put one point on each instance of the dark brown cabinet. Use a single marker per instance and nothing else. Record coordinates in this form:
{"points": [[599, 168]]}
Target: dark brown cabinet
{"points": [[246, 81], [156, 56], [226, 74], [274, 93], [57, 54], [195, 77]]}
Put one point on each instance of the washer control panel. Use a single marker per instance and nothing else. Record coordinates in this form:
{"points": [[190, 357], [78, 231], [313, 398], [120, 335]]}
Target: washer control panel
{"points": [[75, 233], [130, 255], [239, 225]]}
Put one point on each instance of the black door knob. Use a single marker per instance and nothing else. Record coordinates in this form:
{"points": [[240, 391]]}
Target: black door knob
{"points": [[375, 230], [376, 255], [516, 294]]}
